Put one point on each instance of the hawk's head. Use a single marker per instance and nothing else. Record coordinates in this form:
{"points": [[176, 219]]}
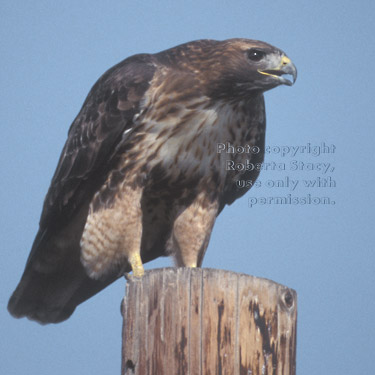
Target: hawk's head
{"points": [[233, 68]]}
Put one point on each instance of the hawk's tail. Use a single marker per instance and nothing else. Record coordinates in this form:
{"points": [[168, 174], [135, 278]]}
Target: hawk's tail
{"points": [[54, 281]]}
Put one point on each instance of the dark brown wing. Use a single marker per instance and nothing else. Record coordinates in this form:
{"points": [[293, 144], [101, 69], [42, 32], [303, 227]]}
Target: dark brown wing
{"points": [[54, 281], [106, 114], [255, 137]]}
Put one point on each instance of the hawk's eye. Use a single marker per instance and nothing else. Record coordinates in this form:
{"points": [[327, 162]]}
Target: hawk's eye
{"points": [[255, 54]]}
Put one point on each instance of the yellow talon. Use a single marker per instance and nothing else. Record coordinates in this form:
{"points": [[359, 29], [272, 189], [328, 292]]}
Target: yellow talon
{"points": [[136, 265]]}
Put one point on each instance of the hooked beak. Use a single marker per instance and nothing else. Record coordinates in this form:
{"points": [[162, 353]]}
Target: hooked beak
{"points": [[286, 67]]}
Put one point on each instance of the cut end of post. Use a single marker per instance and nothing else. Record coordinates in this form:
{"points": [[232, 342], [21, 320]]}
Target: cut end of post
{"points": [[199, 320]]}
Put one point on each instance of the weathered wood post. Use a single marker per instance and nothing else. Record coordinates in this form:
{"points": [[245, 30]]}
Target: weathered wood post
{"points": [[183, 321]]}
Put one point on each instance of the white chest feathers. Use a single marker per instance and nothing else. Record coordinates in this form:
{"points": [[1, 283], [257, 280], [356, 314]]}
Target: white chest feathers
{"points": [[189, 138]]}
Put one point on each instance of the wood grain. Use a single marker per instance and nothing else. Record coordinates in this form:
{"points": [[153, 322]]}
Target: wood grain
{"points": [[183, 321]]}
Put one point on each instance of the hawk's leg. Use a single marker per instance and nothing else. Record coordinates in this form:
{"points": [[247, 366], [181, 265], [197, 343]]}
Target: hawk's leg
{"points": [[191, 232], [112, 235], [132, 228], [136, 264]]}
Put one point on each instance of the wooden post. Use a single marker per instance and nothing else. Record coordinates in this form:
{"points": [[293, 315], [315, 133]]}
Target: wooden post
{"points": [[183, 321]]}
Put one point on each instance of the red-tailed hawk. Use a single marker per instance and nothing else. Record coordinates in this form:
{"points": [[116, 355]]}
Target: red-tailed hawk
{"points": [[141, 174]]}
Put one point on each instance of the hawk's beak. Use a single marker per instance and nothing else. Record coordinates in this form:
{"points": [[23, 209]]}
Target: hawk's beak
{"points": [[285, 67]]}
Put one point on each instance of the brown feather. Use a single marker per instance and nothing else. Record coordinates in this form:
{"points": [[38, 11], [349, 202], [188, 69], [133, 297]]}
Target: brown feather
{"points": [[140, 172]]}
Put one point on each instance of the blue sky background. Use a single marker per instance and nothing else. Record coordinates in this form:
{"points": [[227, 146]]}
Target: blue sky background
{"points": [[51, 55]]}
